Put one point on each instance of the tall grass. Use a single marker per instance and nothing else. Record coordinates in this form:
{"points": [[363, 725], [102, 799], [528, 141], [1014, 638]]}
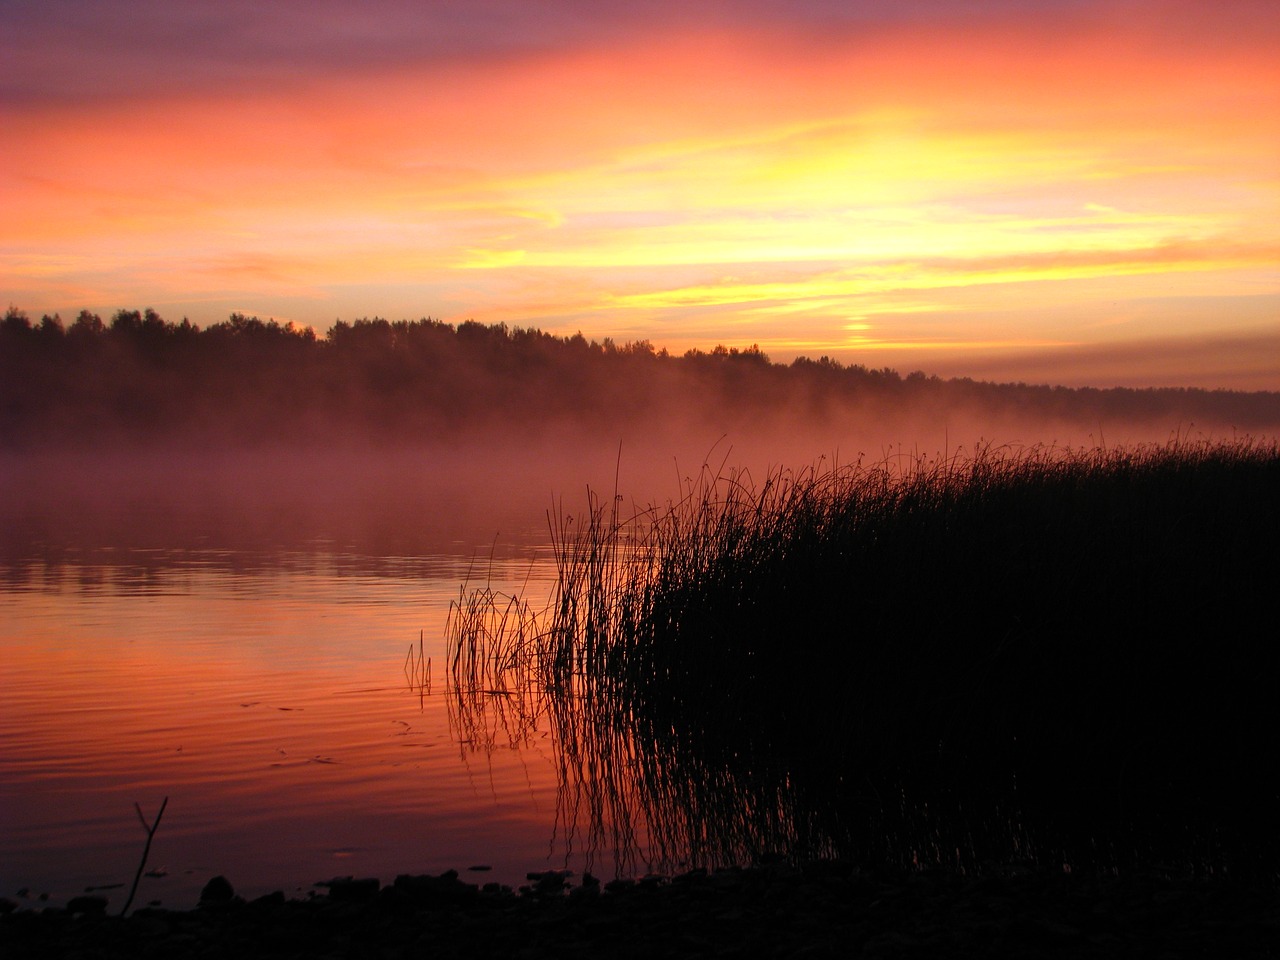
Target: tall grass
{"points": [[491, 694], [1063, 656]]}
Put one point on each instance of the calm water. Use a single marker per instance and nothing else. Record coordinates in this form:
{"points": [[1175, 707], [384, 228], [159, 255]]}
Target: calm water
{"points": [[230, 628], [265, 694]]}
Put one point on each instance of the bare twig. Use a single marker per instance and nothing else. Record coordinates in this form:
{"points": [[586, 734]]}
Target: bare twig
{"points": [[146, 850]]}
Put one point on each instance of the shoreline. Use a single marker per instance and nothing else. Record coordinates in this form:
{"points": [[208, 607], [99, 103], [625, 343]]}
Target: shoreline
{"points": [[816, 909]]}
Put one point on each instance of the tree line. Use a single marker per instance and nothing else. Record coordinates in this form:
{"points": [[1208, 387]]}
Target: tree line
{"points": [[139, 377]]}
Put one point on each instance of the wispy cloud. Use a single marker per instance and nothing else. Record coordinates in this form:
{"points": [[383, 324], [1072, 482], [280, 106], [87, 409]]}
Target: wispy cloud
{"points": [[758, 170]]}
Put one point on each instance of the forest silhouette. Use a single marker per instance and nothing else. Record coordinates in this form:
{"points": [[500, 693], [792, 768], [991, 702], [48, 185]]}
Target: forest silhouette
{"points": [[248, 381]]}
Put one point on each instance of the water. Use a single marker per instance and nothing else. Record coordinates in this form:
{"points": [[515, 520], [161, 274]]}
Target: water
{"points": [[233, 635], [229, 628], [264, 693]]}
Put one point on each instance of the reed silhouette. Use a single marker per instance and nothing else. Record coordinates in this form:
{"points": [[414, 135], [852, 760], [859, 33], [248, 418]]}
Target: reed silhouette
{"points": [[1034, 655]]}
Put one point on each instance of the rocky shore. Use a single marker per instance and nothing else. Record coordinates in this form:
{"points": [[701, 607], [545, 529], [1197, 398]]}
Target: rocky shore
{"points": [[778, 910]]}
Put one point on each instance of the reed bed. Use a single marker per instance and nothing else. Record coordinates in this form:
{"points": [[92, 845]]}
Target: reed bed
{"points": [[1067, 656], [491, 696]]}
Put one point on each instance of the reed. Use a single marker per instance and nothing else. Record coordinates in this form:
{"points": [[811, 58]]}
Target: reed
{"points": [[491, 691], [1039, 653], [417, 670]]}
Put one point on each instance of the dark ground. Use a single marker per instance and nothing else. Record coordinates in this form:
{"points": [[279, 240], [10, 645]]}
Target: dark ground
{"points": [[820, 910]]}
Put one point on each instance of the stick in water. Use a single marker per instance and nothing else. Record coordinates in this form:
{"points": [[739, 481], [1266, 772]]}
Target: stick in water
{"points": [[151, 832]]}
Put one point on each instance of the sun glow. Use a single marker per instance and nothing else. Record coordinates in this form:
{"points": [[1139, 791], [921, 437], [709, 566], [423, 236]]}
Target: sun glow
{"points": [[740, 182]]}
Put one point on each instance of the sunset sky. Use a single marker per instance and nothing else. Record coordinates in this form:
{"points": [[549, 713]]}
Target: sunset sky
{"points": [[1067, 191]]}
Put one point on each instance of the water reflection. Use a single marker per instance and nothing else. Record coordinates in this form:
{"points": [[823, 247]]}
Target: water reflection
{"points": [[637, 794], [639, 789], [663, 784], [264, 693]]}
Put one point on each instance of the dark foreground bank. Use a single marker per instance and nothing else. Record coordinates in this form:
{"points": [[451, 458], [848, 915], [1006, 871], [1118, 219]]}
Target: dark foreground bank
{"points": [[819, 910]]}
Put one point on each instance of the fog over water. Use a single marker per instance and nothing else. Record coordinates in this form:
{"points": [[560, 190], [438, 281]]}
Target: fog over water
{"points": [[247, 430], [390, 499]]}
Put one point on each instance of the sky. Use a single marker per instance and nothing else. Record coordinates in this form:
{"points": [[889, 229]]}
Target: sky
{"points": [[1051, 191]]}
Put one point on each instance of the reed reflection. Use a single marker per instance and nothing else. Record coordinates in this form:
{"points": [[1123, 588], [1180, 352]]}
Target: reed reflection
{"points": [[1019, 656]]}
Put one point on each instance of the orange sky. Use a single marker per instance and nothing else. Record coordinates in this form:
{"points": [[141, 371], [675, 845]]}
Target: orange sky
{"points": [[1064, 191]]}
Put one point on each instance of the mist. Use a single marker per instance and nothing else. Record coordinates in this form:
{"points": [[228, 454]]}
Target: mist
{"points": [[386, 439]]}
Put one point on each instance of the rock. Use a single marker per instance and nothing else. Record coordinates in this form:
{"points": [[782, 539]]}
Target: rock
{"points": [[549, 882], [217, 890], [350, 890], [87, 905], [269, 901], [446, 888], [743, 912]]}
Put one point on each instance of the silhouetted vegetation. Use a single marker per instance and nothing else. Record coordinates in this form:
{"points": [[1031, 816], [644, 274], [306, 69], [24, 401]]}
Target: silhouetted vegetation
{"points": [[140, 377], [1043, 655]]}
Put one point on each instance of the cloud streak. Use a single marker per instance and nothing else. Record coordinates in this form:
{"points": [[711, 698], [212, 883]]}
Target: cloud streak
{"points": [[751, 171]]}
